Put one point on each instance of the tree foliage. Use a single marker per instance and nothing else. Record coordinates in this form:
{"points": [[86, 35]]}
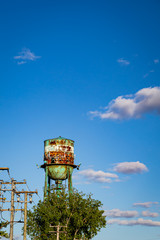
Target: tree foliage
{"points": [[80, 213], [3, 233]]}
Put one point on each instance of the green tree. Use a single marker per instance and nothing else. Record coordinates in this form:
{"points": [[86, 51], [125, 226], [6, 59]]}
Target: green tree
{"points": [[3, 233], [80, 213]]}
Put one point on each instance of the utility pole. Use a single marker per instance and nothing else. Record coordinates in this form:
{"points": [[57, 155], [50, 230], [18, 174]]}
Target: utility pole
{"points": [[58, 230], [25, 216], [25, 208], [12, 209]]}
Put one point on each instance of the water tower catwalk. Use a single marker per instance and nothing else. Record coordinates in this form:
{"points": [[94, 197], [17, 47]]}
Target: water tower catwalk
{"points": [[58, 162]]}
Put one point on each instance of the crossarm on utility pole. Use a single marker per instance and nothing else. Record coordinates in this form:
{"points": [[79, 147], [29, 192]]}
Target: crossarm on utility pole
{"points": [[3, 210], [4, 168]]}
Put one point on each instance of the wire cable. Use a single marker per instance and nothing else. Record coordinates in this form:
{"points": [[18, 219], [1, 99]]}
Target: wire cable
{"points": [[9, 174], [3, 217], [30, 190]]}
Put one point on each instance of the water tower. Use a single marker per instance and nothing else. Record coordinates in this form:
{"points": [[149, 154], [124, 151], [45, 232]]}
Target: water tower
{"points": [[58, 162]]}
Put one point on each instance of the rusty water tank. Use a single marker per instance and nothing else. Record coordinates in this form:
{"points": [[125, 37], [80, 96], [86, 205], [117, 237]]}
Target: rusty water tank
{"points": [[59, 157]]}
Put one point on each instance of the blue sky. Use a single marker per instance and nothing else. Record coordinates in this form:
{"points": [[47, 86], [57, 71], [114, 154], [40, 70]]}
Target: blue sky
{"points": [[88, 71]]}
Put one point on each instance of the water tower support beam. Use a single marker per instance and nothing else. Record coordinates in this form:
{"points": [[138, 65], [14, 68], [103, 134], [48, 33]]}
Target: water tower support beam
{"points": [[70, 188], [49, 183], [46, 182]]}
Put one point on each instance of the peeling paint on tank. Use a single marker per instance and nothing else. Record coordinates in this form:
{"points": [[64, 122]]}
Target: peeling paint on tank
{"points": [[59, 151]]}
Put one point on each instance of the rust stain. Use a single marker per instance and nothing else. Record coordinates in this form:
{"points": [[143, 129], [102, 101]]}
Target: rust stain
{"points": [[59, 151]]}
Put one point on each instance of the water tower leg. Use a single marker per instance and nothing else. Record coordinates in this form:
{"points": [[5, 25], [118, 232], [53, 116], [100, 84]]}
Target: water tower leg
{"points": [[58, 187], [49, 184], [46, 182], [70, 188]]}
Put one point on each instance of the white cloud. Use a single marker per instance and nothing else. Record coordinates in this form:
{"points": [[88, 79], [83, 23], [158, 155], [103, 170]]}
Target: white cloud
{"points": [[149, 214], [139, 221], [147, 74], [21, 62], [146, 100], [116, 213], [98, 176], [156, 61], [130, 167], [106, 187], [144, 204], [26, 55], [123, 61]]}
